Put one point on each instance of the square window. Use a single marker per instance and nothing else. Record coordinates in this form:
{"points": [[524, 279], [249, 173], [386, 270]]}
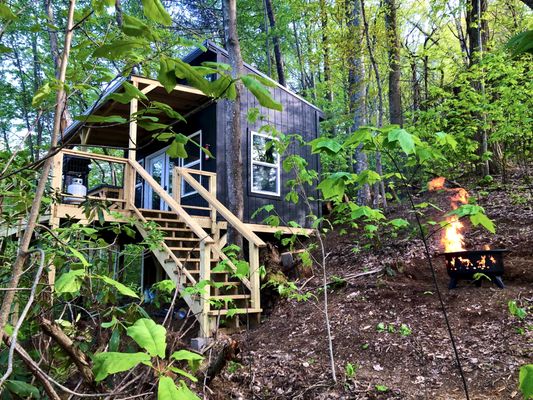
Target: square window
{"points": [[265, 165]]}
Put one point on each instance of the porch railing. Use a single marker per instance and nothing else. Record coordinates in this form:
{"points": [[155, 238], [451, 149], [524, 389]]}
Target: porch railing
{"points": [[101, 175]]}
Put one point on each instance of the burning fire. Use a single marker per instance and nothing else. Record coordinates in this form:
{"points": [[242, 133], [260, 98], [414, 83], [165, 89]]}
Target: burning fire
{"points": [[452, 238]]}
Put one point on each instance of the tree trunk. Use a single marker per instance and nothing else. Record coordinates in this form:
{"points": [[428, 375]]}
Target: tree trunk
{"points": [[395, 97], [61, 98], [275, 39], [379, 187], [234, 162], [325, 49], [303, 84], [267, 41], [477, 29], [118, 13], [357, 90]]}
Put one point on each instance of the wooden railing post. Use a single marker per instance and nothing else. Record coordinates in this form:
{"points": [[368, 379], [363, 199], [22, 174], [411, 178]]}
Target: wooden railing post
{"points": [[57, 172], [255, 279], [176, 185], [215, 232], [205, 275]]}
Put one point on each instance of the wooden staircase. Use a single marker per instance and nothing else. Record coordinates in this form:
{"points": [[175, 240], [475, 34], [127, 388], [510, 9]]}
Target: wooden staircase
{"points": [[181, 257]]}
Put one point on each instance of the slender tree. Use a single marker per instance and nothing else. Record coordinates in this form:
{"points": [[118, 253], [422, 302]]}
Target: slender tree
{"points": [[395, 95], [280, 68]]}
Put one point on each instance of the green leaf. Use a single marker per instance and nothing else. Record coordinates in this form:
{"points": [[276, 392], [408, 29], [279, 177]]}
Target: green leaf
{"points": [[130, 92], [121, 288], [265, 81], [382, 388], [6, 14], [525, 379], [114, 340], [260, 92], [405, 139], [483, 220], [135, 27], [150, 336], [399, 223], [521, 43], [168, 110], [183, 373], [326, 145], [119, 48], [166, 74], [22, 389], [70, 282], [105, 364], [151, 126], [79, 256], [154, 10], [41, 95], [101, 118], [177, 150], [167, 390]]}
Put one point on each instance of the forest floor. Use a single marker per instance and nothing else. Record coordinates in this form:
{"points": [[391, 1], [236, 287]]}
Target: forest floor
{"points": [[286, 356]]}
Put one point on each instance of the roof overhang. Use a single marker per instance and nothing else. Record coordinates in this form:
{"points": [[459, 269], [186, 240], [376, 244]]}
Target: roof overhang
{"points": [[183, 99]]}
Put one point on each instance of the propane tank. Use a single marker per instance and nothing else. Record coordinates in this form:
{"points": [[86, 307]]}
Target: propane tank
{"points": [[76, 188]]}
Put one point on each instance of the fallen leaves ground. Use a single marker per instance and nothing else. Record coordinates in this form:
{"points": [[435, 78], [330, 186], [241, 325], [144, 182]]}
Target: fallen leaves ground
{"points": [[286, 356]]}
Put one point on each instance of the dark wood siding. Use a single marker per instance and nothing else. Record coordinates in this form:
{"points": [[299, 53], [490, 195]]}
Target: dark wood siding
{"points": [[297, 117]]}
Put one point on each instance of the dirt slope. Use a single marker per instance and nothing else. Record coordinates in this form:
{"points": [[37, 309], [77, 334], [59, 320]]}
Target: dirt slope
{"points": [[286, 356]]}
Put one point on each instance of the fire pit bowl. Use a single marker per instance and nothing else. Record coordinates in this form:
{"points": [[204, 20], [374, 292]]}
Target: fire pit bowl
{"points": [[464, 264]]}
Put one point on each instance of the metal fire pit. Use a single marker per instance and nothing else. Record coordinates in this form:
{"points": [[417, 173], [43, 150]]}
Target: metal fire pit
{"points": [[464, 264]]}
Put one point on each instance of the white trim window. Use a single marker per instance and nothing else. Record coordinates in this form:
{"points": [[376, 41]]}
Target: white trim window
{"points": [[264, 165]]}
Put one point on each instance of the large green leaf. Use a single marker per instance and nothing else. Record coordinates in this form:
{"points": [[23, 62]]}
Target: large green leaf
{"points": [[109, 363], [521, 43], [150, 336], [40, 96], [194, 78], [260, 92], [481, 219], [525, 379], [135, 27], [167, 390], [154, 10], [326, 145], [119, 48], [6, 13], [122, 289], [111, 119], [177, 150], [130, 93], [22, 389], [166, 74], [406, 140], [70, 282]]}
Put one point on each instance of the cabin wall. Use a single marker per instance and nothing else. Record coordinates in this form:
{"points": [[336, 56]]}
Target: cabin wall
{"points": [[297, 117]]}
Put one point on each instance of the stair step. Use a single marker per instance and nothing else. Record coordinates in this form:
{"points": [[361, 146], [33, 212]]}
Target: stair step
{"points": [[236, 311], [156, 219], [184, 248], [177, 239], [171, 229], [230, 297], [197, 271], [148, 210]]}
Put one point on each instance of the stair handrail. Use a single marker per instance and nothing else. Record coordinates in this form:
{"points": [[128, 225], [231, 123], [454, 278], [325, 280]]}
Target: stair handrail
{"points": [[221, 209], [167, 198]]}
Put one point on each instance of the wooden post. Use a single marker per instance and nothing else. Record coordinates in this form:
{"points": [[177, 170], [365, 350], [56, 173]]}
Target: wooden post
{"points": [[176, 185], [129, 173], [255, 279], [57, 187], [205, 274], [215, 231]]}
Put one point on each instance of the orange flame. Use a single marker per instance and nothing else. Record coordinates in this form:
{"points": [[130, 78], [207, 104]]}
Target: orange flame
{"points": [[452, 238]]}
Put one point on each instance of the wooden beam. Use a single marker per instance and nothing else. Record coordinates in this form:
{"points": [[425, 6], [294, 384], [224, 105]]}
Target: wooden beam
{"points": [[177, 88], [93, 156], [205, 275], [148, 88], [285, 230], [255, 279], [129, 173]]}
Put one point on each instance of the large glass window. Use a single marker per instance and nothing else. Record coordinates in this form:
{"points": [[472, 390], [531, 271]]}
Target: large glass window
{"points": [[265, 165]]}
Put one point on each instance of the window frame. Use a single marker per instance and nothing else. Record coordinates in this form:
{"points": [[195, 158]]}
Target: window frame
{"points": [[253, 162]]}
